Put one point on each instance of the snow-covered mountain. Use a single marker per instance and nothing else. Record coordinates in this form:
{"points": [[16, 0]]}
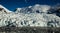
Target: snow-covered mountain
{"points": [[55, 10], [5, 8], [34, 9], [33, 16]]}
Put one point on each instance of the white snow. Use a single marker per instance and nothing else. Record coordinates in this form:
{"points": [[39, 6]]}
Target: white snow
{"points": [[34, 9], [29, 6], [5, 8], [21, 19]]}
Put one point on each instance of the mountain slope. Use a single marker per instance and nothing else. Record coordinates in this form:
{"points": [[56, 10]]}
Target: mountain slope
{"points": [[34, 9], [4, 8], [29, 16]]}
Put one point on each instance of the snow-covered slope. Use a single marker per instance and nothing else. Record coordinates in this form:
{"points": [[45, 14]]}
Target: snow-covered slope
{"points": [[32, 16], [5, 8], [34, 9]]}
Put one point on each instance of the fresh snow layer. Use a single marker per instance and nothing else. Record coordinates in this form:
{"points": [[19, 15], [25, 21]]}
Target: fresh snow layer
{"points": [[32, 16]]}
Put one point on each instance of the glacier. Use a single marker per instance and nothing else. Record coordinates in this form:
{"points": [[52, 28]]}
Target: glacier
{"points": [[31, 16]]}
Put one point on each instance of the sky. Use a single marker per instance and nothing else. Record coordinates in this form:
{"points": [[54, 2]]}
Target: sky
{"points": [[13, 4]]}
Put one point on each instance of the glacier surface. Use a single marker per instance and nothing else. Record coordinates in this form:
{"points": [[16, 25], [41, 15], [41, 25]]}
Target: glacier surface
{"points": [[32, 16]]}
